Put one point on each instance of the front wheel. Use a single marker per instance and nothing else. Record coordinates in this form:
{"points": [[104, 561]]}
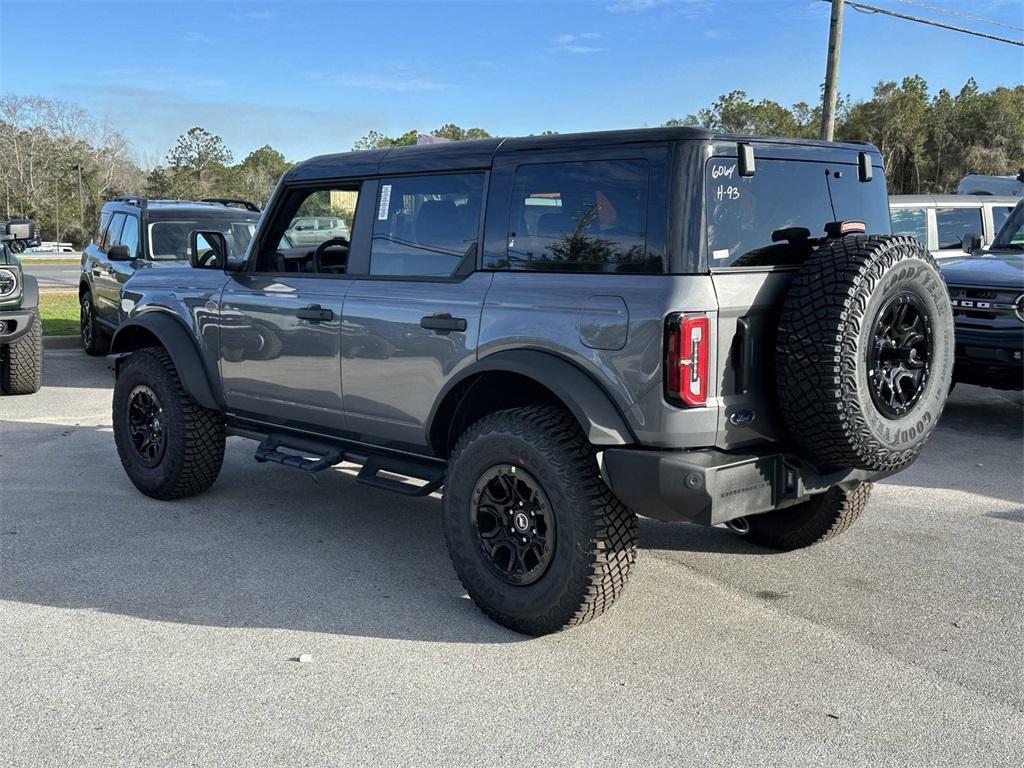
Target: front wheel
{"points": [[536, 537], [21, 362], [170, 446]]}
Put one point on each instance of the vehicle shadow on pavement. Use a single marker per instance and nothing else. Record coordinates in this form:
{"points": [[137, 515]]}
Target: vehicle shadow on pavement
{"points": [[689, 537], [265, 547], [977, 448]]}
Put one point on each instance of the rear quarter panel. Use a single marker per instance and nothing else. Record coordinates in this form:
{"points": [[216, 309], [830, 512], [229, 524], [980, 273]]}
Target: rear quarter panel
{"points": [[556, 313]]}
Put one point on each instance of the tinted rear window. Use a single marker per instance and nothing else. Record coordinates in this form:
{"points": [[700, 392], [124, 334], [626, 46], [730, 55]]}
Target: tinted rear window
{"points": [[744, 211], [580, 217]]}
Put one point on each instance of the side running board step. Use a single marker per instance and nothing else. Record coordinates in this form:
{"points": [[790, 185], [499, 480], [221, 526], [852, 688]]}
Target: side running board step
{"points": [[433, 475], [267, 451], [431, 472]]}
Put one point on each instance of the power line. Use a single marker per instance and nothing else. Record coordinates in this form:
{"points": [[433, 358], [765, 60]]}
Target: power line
{"points": [[871, 9], [961, 14]]}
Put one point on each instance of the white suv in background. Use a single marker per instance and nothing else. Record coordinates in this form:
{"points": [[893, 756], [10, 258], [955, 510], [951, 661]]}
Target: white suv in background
{"points": [[940, 222]]}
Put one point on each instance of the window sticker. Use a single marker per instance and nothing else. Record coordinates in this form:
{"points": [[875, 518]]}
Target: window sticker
{"points": [[385, 203], [720, 253]]}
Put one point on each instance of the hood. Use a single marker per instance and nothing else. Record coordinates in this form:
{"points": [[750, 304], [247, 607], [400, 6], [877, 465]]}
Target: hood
{"points": [[991, 270]]}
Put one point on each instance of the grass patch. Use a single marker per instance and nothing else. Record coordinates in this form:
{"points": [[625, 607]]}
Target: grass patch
{"points": [[59, 311]]}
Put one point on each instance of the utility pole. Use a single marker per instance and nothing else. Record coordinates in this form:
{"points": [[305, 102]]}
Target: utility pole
{"points": [[835, 40], [81, 199]]}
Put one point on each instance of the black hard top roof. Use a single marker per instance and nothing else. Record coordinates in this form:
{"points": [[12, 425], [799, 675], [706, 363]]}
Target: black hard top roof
{"points": [[195, 207], [479, 153]]}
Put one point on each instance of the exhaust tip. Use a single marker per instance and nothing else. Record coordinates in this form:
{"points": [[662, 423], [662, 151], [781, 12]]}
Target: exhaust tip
{"points": [[739, 526]]}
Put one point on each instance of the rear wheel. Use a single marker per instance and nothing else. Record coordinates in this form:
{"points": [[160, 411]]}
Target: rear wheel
{"points": [[536, 537], [818, 519], [169, 446], [21, 361]]}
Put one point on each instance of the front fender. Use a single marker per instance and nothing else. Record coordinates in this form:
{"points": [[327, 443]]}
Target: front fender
{"points": [[172, 334]]}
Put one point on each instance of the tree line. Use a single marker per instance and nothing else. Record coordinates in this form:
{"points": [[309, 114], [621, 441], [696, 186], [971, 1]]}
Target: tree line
{"points": [[58, 164]]}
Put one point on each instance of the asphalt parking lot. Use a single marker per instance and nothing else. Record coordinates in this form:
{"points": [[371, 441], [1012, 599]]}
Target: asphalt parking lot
{"points": [[135, 632]]}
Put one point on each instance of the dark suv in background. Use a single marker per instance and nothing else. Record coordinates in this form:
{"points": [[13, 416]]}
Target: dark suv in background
{"points": [[563, 332], [986, 289], [138, 233]]}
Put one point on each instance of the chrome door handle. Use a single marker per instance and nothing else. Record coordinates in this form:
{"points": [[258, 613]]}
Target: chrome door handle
{"points": [[315, 313]]}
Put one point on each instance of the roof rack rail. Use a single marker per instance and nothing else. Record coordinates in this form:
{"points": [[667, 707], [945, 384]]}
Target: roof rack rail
{"points": [[249, 206], [137, 200]]}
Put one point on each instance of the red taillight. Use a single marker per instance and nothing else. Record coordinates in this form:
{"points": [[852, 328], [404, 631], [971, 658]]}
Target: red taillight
{"points": [[686, 359]]}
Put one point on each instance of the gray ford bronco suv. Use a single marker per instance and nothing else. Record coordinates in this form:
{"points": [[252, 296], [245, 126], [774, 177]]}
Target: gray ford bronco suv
{"points": [[564, 332]]}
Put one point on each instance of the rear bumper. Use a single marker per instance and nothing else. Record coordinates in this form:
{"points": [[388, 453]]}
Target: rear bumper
{"points": [[711, 486]]}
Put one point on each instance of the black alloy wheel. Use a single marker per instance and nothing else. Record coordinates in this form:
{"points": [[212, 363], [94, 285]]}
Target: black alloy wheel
{"points": [[85, 321], [146, 425], [514, 524], [898, 361]]}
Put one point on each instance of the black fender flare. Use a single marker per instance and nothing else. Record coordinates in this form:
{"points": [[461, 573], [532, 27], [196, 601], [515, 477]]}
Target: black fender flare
{"points": [[597, 414], [29, 291], [180, 345]]}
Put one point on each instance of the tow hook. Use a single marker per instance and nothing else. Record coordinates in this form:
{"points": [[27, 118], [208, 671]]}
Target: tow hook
{"points": [[739, 525]]}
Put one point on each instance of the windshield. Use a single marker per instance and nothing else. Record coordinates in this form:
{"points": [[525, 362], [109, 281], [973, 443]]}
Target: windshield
{"points": [[169, 240], [1011, 235], [744, 211]]}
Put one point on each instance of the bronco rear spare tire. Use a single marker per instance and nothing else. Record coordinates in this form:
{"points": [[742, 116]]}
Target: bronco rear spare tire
{"points": [[865, 353]]}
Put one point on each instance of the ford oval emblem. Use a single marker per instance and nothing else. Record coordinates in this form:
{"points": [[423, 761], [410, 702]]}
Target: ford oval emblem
{"points": [[742, 418]]}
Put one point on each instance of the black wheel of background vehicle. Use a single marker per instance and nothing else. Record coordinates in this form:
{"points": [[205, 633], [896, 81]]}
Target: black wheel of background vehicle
{"points": [[170, 446], [89, 328], [818, 519], [864, 353], [536, 537], [17, 246], [21, 361]]}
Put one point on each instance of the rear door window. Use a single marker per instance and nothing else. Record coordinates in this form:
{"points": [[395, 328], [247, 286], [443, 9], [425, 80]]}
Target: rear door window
{"points": [[426, 226], [912, 222], [744, 211], [954, 223]]}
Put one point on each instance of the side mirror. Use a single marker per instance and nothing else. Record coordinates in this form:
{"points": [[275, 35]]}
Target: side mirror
{"points": [[971, 243], [119, 253], [209, 250]]}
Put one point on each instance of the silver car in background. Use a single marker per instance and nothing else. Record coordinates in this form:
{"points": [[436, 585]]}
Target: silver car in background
{"points": [[940, 222], [314, 230]]}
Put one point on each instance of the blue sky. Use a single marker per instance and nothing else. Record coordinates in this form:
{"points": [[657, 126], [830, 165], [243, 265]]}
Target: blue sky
{"points": [[310, 78]]}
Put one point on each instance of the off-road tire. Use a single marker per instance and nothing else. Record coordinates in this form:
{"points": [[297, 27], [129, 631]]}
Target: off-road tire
{"points": [[195, 435], [91, 334], [825, 335], [596, 535], [21, 361], [818, 519]]}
